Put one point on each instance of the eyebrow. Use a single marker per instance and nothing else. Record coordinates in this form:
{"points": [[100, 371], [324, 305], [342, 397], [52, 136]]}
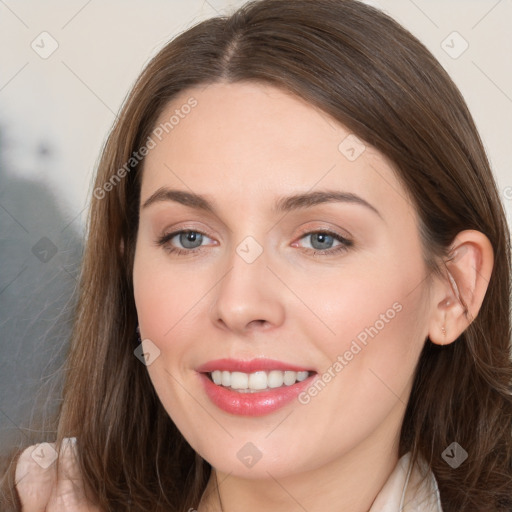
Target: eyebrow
{"points": [[282, 205]]}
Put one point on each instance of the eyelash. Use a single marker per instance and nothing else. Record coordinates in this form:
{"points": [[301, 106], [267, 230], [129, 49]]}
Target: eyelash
{"points": [[344, 245]]}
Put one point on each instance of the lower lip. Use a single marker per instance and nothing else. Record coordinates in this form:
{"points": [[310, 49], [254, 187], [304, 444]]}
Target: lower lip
{"points": [[253, 404]]}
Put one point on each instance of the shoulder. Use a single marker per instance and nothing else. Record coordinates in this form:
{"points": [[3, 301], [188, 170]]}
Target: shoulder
{"points": [[48, 479]]}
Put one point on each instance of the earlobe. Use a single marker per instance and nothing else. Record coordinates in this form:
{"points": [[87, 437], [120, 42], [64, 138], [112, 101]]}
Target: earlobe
{"points": [[461, 293]]}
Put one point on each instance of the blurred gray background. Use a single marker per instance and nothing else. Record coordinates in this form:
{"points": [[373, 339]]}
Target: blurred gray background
{"points": [[65, 68]]}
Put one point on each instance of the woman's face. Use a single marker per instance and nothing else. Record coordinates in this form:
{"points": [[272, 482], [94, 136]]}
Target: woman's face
{"points": [[302, 253]]}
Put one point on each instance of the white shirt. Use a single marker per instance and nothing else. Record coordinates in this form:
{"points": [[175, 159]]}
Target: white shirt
{"points": [[402, 492], [39, 491]]}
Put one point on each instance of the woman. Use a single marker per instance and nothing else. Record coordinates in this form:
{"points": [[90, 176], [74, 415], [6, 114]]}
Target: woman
{"points": [[296, 288]]}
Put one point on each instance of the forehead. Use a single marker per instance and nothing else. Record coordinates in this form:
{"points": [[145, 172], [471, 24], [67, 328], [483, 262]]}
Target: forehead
{"points": [[256, 141]]}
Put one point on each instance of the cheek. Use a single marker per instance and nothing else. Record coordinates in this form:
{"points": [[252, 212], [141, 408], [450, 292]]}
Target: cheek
{"points": [[164, 298], [166, 303], [379, 303], [379, 329], [385, 318]]}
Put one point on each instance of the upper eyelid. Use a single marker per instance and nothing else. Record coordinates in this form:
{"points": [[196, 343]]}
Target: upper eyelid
{"points": [[171, 234], [343, 233], [332, 231]]}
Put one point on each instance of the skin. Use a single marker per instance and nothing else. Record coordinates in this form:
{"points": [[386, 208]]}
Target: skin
{"points": [[243, 146]]}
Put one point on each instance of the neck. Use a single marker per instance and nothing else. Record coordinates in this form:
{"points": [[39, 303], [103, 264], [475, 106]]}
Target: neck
{"points": [[350, 482]]}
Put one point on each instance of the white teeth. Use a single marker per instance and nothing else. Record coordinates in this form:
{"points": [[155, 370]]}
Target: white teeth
{"points": [[275, 379], [290, 378], [257, 381], [239, 380], [226, 378], [302, 376]]}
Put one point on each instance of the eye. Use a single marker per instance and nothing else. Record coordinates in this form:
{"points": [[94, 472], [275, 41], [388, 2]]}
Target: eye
{"points": [[190, 241], [322, 242]]}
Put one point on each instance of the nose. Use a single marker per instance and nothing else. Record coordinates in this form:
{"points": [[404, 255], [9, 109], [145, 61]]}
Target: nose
{"points": [[249, 297]]}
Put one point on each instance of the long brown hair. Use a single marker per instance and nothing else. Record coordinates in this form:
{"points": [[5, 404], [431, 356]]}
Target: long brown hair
{"points": [[366, 71]]}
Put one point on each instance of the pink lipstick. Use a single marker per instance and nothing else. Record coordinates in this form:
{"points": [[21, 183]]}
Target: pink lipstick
{"points": [[253, 388]]}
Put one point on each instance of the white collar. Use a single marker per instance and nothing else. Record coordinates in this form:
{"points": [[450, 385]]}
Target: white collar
{"points": [[403, 492]]}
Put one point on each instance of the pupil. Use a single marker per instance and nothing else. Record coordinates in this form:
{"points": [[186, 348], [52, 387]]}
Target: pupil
{"points": [[188, 239], [323, 238]]}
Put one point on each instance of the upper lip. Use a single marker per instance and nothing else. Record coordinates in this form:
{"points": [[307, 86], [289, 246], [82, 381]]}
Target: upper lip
{"points": [[254, 365]]}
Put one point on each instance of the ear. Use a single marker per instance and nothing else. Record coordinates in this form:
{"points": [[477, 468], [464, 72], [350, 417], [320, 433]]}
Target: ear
{"points": [[459, 296]]}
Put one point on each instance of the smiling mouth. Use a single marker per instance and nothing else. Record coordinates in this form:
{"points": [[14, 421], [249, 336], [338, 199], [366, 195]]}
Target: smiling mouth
{"points": [[257, 381]]}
